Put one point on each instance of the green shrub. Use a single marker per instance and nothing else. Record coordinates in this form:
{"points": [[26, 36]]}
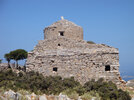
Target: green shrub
{"points": [[0, 60], [53, 84], [107, 90], [80, 90], [90, 95], [37, 83], [24, 92], [70, 83], [90, 42], [72, 94], [123, 95]]}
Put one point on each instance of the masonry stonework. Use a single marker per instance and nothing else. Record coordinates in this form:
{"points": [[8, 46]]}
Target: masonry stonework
{"points": [[67, 28], [63, 52]]}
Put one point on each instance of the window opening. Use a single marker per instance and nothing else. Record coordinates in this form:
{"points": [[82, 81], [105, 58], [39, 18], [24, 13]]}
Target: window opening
{"points": [[55, 69], [61, 33], [58, 44], [107, 68]]}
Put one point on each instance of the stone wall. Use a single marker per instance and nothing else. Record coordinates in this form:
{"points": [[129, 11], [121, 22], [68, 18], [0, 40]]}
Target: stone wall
{"points": [[63, 52], [58, 44], [69, 29], [74, 58]]}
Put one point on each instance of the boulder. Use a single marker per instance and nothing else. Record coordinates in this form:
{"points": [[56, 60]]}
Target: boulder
{"points": [[130, 83], [18, 96], [28, 97], [79, 98], [10, 94], [63, 97], [33, 96], [43, 97], [2, 98]]}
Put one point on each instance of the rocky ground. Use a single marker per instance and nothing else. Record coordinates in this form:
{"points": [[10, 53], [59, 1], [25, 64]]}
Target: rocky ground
{"points": [[130, 83], [25, 95], [130, 88]]}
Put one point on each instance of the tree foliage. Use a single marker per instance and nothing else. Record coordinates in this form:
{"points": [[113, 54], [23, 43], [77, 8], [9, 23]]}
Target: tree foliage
{"points": [[16, 55], [0, 60], [7, 56]]}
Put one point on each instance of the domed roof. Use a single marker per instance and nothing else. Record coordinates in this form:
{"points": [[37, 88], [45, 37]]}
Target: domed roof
{"points": [[63, 22]]}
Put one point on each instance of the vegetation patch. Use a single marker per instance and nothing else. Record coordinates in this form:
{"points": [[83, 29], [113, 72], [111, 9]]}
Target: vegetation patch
{"points": [[18, 54], [90, 95], [72, 94], [90, 42], [37, 83]]}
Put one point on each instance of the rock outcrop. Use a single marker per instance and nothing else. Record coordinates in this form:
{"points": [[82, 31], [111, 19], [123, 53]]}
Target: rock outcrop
{"points": [[3, 66], [130, 83], [11, 95]]}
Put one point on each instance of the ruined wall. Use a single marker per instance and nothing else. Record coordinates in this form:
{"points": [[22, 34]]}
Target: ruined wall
{"points": [[79, 59], [63, 52], [62, 43], [83, 66], [69, 29]]}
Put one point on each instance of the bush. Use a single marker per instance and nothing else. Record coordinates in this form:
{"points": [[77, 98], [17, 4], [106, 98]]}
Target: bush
{"points": [[107, 90], [0, 61], [72, 94], [90, 95], [53, 85], [123, 95], [37, 83], [80, 90], [90, 42], [70, 83]]}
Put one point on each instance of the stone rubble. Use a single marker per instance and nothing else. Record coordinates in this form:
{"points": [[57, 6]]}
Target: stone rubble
{"points": [[130, 83], [11, 95], [3, 66]]}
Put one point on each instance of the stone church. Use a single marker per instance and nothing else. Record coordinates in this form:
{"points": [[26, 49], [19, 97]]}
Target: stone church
{"points": [[63, 52]]}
